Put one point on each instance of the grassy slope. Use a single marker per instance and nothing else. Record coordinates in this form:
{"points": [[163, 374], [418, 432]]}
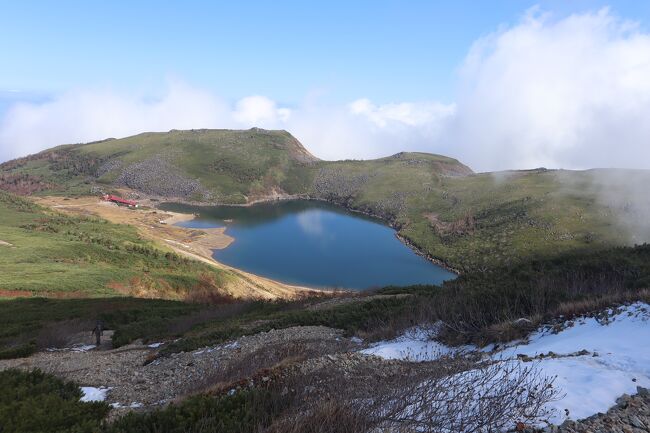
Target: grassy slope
{"points": [[479, 307], [469, 221], [63, 255], [484, 221], [230, 165]]}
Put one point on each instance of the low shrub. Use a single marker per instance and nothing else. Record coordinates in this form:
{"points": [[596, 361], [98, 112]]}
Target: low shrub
{"points": [[244, 412], [479, 307], [60, 334], [35, 402], [20, 351], [51, 322]]}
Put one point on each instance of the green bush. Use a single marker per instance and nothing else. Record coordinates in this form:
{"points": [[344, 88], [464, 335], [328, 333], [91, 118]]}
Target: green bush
{"points": [[361, 317], [476, 301], [35, 402], [18, 351], [244, 412], [131, 318]]}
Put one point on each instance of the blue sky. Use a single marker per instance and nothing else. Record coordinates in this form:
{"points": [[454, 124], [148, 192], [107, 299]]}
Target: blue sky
{"points": [[500, 84], [384, 50]]}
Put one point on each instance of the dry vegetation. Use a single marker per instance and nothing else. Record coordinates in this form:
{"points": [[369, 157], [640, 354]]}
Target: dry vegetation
{"points": [[451, 394]]}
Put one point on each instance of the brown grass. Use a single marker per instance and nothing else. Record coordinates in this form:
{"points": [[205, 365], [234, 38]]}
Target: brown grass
{"points": [[265, 362], [4, 293], [209, 291], [512, 330], [330, 416]]}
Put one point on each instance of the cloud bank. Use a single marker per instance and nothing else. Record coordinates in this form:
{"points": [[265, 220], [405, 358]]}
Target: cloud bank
{"points": [[571, 92]]}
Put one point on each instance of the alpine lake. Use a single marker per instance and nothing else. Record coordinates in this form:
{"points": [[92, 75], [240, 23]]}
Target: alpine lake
{"points": [[314, 244]]}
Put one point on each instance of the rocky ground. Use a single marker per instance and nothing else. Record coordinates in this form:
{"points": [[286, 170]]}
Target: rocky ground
{"points": [[157, 176], [134, 382], [630, 415], [138, 379]]}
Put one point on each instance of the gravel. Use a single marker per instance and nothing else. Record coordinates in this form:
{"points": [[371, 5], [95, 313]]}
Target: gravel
{"points": [[631, 414], [121, 377], [157, 176], [167, 378]]}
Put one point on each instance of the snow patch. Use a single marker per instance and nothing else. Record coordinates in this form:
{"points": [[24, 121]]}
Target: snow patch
{"points": [[74, 348], [594, 360], [82, 347], [93, 394], [232, 345], [155, 345], [617, 359], [416, 345], [133, 405]]}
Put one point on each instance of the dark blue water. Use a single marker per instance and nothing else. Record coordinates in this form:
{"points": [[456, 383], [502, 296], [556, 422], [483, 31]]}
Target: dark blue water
{"points": [[314, 244]]}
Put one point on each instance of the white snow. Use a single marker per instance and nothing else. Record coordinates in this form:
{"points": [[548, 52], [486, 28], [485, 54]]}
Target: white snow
{"points": [[133, 405], [618, 360], [231, 345], [155, 345], [415, 345], [82, 347], [93, 394], [593, 383], [74, 348]]}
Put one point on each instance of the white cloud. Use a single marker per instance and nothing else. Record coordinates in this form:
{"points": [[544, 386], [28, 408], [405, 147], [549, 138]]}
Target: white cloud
{"points": [[571, 92], [330, 132], [260, 111], [365, 130], [406, 113], [86, 115]]}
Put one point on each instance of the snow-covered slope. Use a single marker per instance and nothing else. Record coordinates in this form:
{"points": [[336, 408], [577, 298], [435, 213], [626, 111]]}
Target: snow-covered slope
{"points": [[594, 360]]}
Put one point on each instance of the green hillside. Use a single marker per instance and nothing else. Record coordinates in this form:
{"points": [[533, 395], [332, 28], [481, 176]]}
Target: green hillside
{"points": [[200, 165], [481, 221], [466, 220], [46, 253]]}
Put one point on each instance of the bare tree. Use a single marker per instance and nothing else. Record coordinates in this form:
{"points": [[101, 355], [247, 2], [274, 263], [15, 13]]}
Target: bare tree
{"points": [[491, 397], [450, 395]]}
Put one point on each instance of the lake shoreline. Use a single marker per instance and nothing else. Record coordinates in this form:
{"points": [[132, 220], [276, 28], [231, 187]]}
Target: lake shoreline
{"points": [[155, 225], [292, 197]]}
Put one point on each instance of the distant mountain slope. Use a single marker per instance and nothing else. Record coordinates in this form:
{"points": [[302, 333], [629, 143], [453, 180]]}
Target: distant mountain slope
{"points": [[200, 165], [465, 220]]}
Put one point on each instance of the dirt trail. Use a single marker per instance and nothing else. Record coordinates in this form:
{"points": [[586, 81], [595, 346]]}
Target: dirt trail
{"points": [[5, 244], [158, 226]]}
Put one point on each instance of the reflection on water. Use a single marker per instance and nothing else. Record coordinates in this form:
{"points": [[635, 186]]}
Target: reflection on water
{"points": [[314, 244], [310, 221]]}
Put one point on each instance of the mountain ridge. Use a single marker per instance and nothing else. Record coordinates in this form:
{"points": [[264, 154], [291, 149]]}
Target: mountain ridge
{"points": [[438, 206], [245, 162]]}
